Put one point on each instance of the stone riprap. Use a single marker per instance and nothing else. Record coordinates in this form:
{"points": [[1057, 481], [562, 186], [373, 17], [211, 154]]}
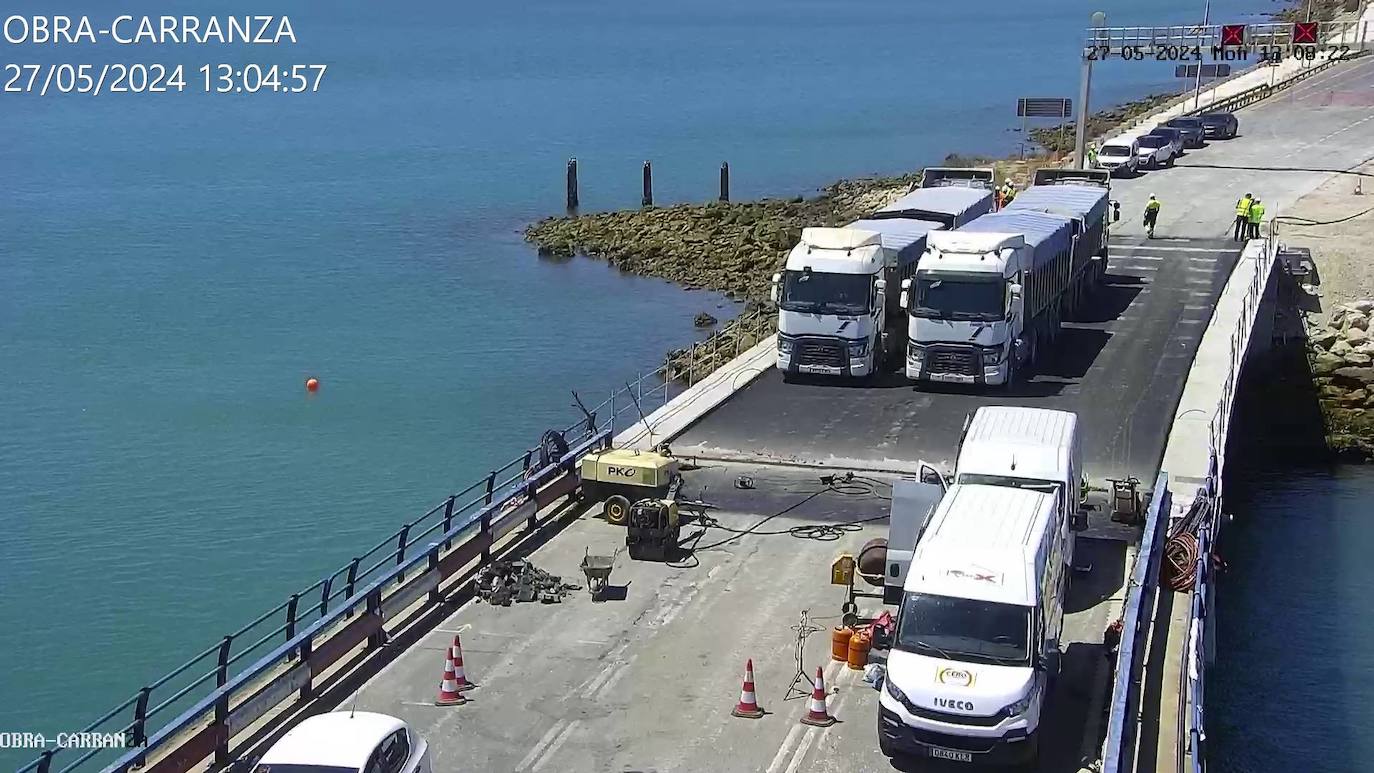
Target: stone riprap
{"points": [[1341, 355]]}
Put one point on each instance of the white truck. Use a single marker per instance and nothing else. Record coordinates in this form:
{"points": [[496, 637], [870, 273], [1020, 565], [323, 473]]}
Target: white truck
{"points": [[988, 299], [978, 629], [837, 295], [981, 603]]}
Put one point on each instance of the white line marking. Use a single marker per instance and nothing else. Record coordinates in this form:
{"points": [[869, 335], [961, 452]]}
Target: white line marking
{"points": [[539, 747], [601, 678], [557, 743], [1162, 248], [609, 686], [465, 627], [593, 642], [776, 764], [802, 749]]}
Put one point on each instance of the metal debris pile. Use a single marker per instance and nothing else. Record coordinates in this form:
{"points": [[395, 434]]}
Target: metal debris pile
{"points": [[502, 583]]}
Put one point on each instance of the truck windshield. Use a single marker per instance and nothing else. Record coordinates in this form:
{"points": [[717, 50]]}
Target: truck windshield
{"points": [[817, 292], [965, 629], [1043, 486], [948, 296]]}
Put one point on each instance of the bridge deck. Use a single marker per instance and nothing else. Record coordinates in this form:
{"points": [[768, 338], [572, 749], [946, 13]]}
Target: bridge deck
{"points": [[646, 683]]}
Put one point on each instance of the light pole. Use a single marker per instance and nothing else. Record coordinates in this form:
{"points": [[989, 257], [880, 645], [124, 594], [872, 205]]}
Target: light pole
{"points": [[1197, 85], [1080, 144]]}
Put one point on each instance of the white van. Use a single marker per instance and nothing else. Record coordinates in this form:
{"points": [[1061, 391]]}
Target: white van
{"points": [[978, 630], [1119, 155], [1034, 448]]}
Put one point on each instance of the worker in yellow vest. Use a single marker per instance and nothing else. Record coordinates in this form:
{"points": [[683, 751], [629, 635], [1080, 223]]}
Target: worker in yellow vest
{"points": [[1256, 215], [1151, 215], [1243, 217], [1008, 193]]}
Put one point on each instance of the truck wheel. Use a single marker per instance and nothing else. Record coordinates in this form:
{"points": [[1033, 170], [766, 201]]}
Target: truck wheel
{"points": [[616, 509]]}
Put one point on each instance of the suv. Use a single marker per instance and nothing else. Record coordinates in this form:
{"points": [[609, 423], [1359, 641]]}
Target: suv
{"points": [[1118, 156], [1155, 151], [1221, 126], [1191, 127], [1174, 136]]}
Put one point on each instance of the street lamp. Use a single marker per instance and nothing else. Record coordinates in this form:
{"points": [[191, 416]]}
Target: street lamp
{"points": [[1080, 160]]}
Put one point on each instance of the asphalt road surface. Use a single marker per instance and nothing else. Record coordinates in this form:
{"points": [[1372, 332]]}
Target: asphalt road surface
{"points": [[1123, 365]]}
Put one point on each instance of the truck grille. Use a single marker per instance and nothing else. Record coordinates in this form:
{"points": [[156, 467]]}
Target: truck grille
{"points": [[957, 361], [954, 719], [819, 351], [961, 742]]}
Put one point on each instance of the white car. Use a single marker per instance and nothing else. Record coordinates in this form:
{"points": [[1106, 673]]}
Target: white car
{"points": [[1155, 151], [347, 742], [1118, 156]]}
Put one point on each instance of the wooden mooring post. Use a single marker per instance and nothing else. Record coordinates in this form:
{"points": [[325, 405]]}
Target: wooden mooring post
{"points": [[648, 200], [725, 181], [572, 184]]}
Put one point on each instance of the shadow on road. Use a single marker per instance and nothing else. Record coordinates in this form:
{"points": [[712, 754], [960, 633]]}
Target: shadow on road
{"points": [[1108, 559], [1117, 293], [1075, 352]]}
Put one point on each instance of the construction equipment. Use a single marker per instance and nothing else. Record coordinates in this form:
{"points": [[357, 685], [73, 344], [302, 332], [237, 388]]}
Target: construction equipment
{"points": [[653, 530], [1127, 505], [598, 572], [868, 566], [619, 476]]}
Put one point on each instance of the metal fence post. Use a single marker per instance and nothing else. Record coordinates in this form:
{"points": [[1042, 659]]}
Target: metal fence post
{"points": [[45, 761], [401, 537], [491, 486], [448, 520], [434, 596], [374, 607], [138, 735], [222, 702], [352, 581], [324, 595], [307, 689], [291, 616]]}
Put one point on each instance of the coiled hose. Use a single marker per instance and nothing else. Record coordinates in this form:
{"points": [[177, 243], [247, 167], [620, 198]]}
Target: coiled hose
{"points": [[1181, 551]]}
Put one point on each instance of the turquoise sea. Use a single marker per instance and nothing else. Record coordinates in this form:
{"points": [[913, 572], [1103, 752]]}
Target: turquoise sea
{"points": [[173, 266]]}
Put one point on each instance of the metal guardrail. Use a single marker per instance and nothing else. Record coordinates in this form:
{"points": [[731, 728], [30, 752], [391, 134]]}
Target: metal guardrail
{"points": [[213, 695], [1263, 91], [1123, 714], [1257, 36]]}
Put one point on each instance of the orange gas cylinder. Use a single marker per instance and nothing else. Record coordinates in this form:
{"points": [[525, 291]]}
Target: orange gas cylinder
{"points": [[840, 639], [858, 650]]}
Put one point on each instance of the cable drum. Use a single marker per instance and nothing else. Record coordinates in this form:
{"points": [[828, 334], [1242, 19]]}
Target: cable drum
{"points": [[1180, 562]]}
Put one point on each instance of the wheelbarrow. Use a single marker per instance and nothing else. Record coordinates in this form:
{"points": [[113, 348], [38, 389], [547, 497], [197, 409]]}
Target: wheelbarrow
{"points": [[598, 572]]}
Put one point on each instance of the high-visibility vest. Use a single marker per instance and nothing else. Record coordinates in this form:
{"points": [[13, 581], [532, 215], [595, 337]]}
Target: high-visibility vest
{"points": [[1256, 213], [1152, 206], [1243, 207]]}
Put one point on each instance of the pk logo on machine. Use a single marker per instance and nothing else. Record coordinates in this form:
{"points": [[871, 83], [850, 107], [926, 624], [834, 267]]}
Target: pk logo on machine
{"points": [[624, 472]]}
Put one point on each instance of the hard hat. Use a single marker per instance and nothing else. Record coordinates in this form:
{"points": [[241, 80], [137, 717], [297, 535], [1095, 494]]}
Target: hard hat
{"points": [[1152, 195]]}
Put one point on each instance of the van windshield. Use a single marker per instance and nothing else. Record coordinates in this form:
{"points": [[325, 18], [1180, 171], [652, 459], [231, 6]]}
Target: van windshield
{"points": [[1114, 150], [964, 629], [1034, 484]]}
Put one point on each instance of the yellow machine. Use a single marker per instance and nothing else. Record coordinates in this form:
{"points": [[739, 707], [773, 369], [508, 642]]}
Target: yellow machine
{"points": [[619, 476]]}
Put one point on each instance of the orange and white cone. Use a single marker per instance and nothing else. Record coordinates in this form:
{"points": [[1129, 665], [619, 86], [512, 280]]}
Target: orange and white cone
{"points": [[748, 706], [448, 688], [817, 714], [459, 675]]}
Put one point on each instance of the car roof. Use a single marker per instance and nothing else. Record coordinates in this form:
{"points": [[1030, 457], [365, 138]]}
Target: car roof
{"points": [[1182, 118], [342, 739], [1158, 130]]}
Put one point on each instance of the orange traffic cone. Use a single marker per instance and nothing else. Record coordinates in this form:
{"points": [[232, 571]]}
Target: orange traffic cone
{"points": [[748, 706], [459, 675], [817, 714], [448, 688]]}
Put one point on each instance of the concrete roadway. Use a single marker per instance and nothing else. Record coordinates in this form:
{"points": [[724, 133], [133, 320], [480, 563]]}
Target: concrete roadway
{"points": [[646, 681], [1122, 366]]}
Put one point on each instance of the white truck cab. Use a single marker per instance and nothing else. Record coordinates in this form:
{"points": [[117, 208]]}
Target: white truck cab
{"points": [[978, 630]]}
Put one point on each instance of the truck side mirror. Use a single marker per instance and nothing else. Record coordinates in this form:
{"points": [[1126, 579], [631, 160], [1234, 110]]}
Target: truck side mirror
{"points": [[1015, 291], [903, 300], [880, 285], [1080, 521], [1116, 211], [774, 291]]}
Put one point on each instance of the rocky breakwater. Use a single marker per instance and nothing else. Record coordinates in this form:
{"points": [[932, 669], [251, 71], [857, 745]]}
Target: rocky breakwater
{"points": [[731, 248], [1341, 355]]}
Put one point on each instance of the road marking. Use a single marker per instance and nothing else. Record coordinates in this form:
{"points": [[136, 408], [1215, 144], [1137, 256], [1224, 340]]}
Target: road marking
{"points": [[1162, 248], [802, 749], [465, 627], [557, 744], [609, 686], [776, 764], [539, 747]]}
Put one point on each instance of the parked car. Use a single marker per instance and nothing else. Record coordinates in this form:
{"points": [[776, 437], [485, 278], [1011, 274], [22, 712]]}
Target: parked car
{"points": [[1119, 155], [1155, 151], [1221, 126], [341, 741], [1174, 136], [1191, 128]]}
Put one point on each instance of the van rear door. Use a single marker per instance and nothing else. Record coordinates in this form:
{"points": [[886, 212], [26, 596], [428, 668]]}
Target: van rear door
{"points": [[913, 501]]}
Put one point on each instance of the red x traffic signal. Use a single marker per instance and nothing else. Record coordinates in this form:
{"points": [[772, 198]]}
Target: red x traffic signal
{"points": [[1305, 33], [1233, 34]]}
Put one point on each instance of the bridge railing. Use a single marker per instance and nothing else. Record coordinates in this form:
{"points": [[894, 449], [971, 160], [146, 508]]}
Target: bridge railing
{"points": [[1123, 713], [191, 712]]}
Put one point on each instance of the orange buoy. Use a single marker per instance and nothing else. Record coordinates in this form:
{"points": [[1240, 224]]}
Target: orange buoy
{"points": [[312, 384], [858, 650], [839, 642]]}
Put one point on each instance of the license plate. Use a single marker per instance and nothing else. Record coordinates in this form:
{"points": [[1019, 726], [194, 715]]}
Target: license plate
{"points": [[950, 754], [817, 369]]}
